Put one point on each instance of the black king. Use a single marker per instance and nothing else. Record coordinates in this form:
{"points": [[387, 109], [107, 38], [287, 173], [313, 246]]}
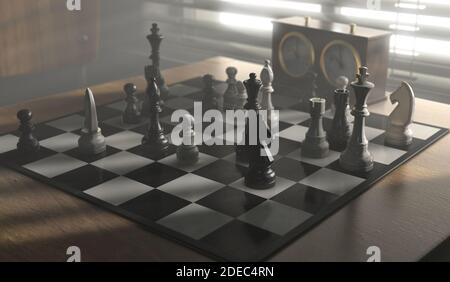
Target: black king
{"points": [[356, 156], [155, 39]]}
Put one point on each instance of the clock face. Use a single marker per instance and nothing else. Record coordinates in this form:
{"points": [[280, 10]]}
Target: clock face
{"points": [[339, 58], [296, 54]]}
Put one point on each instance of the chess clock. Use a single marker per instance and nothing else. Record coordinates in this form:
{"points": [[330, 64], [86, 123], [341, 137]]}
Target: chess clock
{"points": [[330, 50]]}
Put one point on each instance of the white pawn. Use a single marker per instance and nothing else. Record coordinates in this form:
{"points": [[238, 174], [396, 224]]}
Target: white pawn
{"points": [[187, 152], [267, 90]]}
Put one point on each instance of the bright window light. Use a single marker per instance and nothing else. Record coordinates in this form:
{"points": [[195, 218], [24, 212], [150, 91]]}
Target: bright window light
{"points": [[280, 4], [246, 21], [410, 6], [401, 18], [409, 44], [403, 27]]}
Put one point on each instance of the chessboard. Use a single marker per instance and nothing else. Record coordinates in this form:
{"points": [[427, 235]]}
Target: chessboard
{"points": [[206, 206]]}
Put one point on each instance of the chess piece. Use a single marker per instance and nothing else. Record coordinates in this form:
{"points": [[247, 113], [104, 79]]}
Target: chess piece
{"points": [[310, 91], [399, 131], [241, 98], [150, 74], [315, 144], [155, 39], [211, 95], [154, 139], [356, 156], [131, 114], [27, 144], [267, 90], [91, 141], [260, 174], [340, 131], [230, 95], [187, 152]]}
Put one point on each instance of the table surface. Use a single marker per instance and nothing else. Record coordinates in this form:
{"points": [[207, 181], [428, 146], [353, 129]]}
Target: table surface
{"points": [[405, 214]]}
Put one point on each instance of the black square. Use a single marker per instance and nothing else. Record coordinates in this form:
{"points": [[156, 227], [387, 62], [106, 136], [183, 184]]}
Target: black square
{"points": [[293, 170], [377, 171], [16, 158], [105, 113], [84, 177], [218, 151], [43, 131], [287, 146], [154, 205], [155, 174], [231, 201], [75, 153], [414, 146], [222, 171], [155, 155], [239, 241], [305, 198], [377, 121]]}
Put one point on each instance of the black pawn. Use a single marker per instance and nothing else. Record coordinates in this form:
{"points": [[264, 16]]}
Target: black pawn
{"points": [[27, 142], [260, 174], [211, 96], [154, 139], [131, 115], [340, 131], [315, 144]]}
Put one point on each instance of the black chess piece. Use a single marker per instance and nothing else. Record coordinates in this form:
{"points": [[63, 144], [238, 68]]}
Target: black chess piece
{"points": [[315, 144], [150, 74], [131, 114], [340, 131], [211, 96], [27, 144], [154, 139], [231, 93], [356, 156], [155, 39], [260, 174]]}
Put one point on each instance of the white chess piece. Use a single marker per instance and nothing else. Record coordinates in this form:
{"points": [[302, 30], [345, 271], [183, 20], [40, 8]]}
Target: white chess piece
{"points": [[267, 90], [398, 130], [188, 152]]}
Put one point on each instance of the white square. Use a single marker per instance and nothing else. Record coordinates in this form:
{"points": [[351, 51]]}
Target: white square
{"points": [[61, 143], [385, 155], [203, 160], [332, 181], [322, 162], [124, 140], [275, 217], [293, 117], [69, 123], [281, 185], [8, 143], [295, 133], [423, 132], [372, 133], [195, 221], [191, 187], [118, 122], [122, 163], [181, 90], [55, 165], [119, 190]]}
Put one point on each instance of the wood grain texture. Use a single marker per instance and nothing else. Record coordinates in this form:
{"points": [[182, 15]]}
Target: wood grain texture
{"points": [[42, 34], [405, 214]]}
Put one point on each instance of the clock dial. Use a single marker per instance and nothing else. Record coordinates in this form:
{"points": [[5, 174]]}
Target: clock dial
{"points": [[339, 58], [296, 54]]}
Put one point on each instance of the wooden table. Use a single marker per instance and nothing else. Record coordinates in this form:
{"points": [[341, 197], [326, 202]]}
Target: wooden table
{"points": [[406, 214]]}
